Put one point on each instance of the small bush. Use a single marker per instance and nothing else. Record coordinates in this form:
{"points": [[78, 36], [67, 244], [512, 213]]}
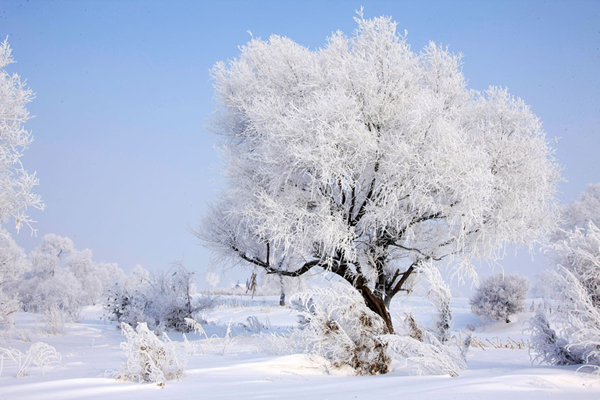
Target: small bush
{"points": [[150, 359], [549, 347], [500, 296], [336, 324], [163, 302], [440, 297], [40, 355]]}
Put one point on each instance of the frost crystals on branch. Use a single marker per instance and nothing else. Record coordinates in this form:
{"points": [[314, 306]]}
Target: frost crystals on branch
{"points": [[365, 159]]}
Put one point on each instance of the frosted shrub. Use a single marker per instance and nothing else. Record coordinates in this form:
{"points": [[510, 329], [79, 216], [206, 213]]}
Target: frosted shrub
{"points": [[576, 283], [336, 325], [40, 355], [547, 346], [440, 297], [55, 320], [500, 296], [427, 356], [163, 302], [150, 359]]}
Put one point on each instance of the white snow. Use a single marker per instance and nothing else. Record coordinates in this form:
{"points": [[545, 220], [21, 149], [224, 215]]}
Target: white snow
{"points": [[90, 353]]}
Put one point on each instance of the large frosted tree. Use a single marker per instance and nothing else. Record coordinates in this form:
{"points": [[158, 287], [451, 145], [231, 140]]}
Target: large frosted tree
{"points": [[365, 159], [15, 182]]}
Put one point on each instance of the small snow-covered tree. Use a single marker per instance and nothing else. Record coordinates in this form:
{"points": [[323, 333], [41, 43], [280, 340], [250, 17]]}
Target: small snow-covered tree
{"points": [[15, 183], [365, 159], [499, 296]]}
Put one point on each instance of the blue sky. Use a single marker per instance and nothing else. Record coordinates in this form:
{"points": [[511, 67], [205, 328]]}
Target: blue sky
{"points": [[124, 96]]}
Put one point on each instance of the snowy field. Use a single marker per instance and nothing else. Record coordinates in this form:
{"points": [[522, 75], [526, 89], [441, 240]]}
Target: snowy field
{"points": [[241, 367]]}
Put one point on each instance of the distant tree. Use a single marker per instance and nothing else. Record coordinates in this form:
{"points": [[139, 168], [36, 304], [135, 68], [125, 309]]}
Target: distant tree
{"points": [[62, 277], [500, 296], [15, 183], [284, 286], [365, 160]]}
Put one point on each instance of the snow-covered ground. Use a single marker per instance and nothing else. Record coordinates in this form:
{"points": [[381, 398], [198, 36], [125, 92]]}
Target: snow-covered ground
{"points": [[225, 369]]}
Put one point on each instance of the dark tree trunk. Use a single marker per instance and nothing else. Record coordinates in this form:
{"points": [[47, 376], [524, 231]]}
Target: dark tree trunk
{"points": [[282, 295], [282, 299], [377, 305]]}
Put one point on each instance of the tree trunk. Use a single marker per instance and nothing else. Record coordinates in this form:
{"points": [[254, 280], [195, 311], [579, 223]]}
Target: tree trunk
{"points": [[282, 299], [377, 305], [282, 295]]}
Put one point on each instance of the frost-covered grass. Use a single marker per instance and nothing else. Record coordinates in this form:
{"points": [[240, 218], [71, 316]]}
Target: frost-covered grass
{"points": [[237, 365]]}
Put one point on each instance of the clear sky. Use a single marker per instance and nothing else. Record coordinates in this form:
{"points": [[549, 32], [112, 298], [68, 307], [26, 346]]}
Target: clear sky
{"points": [[124, 94]]}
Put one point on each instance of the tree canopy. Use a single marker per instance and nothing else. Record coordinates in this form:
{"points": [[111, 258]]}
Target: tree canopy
{"points": [[15, 182], [366, 159]]}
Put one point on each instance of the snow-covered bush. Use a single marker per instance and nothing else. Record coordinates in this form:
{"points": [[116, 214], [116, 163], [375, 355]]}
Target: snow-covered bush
{"points": [[500, 296], [336, 324], [55, 320], [150, 359], [427, 356], [577, 287], [547, 346], [40, 355], [440, 297], [163, 302]]}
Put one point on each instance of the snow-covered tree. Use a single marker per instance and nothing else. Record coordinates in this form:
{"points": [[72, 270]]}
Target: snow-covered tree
{"points": [[62, 277], [365, 159], [15, 183], [499, 296]]}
